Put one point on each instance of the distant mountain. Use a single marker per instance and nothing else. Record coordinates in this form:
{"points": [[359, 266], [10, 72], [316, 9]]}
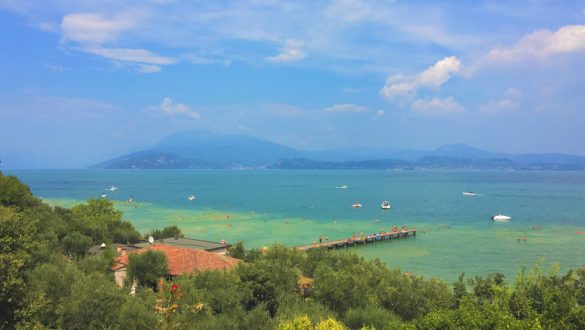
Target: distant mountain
{"points": [[202, 149], [206, 150]]}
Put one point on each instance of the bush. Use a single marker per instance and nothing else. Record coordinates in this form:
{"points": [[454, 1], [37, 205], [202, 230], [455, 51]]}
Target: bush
{"points": [[76, 244], [370, 316], [146, 268], [167, 232], [94, 303]]}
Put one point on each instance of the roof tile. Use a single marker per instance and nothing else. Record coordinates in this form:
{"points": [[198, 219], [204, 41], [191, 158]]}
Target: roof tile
{"points": [[183, 260]]}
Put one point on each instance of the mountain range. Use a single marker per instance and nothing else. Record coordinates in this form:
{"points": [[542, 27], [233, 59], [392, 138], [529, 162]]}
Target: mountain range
{"points": [[206, 150]]}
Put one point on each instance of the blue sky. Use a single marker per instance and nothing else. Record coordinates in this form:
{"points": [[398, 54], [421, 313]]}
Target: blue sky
{"points": [[83, 81]]}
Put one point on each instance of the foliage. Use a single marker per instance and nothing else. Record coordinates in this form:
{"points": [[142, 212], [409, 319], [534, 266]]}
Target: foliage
{"points": [[15, 194], [76, 244], [166, 232], [99, 220], [270, 278], [237, 250], [48, 285], [94, 303], [303, 322], [146, 268], [17, 245], [371, 316]]}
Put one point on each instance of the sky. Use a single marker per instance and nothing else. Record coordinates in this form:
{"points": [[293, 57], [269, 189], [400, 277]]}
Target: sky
{"points": [[84, 81]]}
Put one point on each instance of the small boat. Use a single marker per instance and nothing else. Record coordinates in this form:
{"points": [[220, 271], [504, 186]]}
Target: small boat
{"points": [[469, 193], [104, 195], [191, 197], [356, 205], [113, 188], [501, 218], [342, 187], [386, 205]]}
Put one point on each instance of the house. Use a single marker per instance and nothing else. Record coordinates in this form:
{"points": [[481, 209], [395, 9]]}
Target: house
{"points": [[191, 243], [180, 261], [119, 249]]}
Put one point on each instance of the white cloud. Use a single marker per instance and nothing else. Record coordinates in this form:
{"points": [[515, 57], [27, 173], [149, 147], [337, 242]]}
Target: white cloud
{"points": [[285, 110], [543, 43], [436, 106], [439, 73], [129, 55], [56, 68], [401, 85], [352, 11], [345, 108], [148, 68], [93, 28], [202, 59], [290, 52], [513, 92], [497, 106], [351, 90], [176, 109], [379, 113]]}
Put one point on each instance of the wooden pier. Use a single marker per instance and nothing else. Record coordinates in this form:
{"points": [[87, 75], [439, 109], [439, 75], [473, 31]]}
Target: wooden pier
{"points": [[359, 240]]}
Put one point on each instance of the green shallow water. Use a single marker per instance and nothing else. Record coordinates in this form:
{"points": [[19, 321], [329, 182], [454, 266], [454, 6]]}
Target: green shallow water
{"points": [[455, 234]]}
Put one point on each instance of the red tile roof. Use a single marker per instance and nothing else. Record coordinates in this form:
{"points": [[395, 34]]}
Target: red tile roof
{"points": [[183, 260]]}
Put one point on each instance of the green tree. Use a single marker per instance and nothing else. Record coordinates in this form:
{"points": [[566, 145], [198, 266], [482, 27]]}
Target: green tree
{"points": [[76, 244], [372, 316], [269, 278], [48, 284], [17, 245], [147, 268], [15, 194], [94, 303], [136, 313], [166, 232], [99, 220], [237, 250]]}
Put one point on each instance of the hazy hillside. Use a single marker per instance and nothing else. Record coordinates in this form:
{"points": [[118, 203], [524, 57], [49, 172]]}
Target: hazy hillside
{"points": [[206, 150], [201, 149]]}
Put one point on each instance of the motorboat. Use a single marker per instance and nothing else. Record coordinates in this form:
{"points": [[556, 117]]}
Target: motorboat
{"points": [[191, 197], [386, 205], [356, 205], [501, 218], [104, 195], [342, 187], [113, 188], [469, 193]]}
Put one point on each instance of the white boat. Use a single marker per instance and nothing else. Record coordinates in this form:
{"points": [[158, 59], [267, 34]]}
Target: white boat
{"points": [[113, 188], [501, 218], [356, 205], [191, 197], [469, 193], [342, 187], [386, 205], [104, 195]]}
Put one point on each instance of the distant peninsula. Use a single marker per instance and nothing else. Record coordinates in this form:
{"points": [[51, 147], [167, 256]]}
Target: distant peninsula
{"points": [[206, 150]]}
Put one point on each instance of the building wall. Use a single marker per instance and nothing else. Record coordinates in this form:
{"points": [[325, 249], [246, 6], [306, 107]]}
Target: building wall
{"points": [[120, 276], [221, 251]]}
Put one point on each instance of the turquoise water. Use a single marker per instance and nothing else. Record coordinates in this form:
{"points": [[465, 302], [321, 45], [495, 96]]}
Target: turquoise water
{"points": [[295, 207]]}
